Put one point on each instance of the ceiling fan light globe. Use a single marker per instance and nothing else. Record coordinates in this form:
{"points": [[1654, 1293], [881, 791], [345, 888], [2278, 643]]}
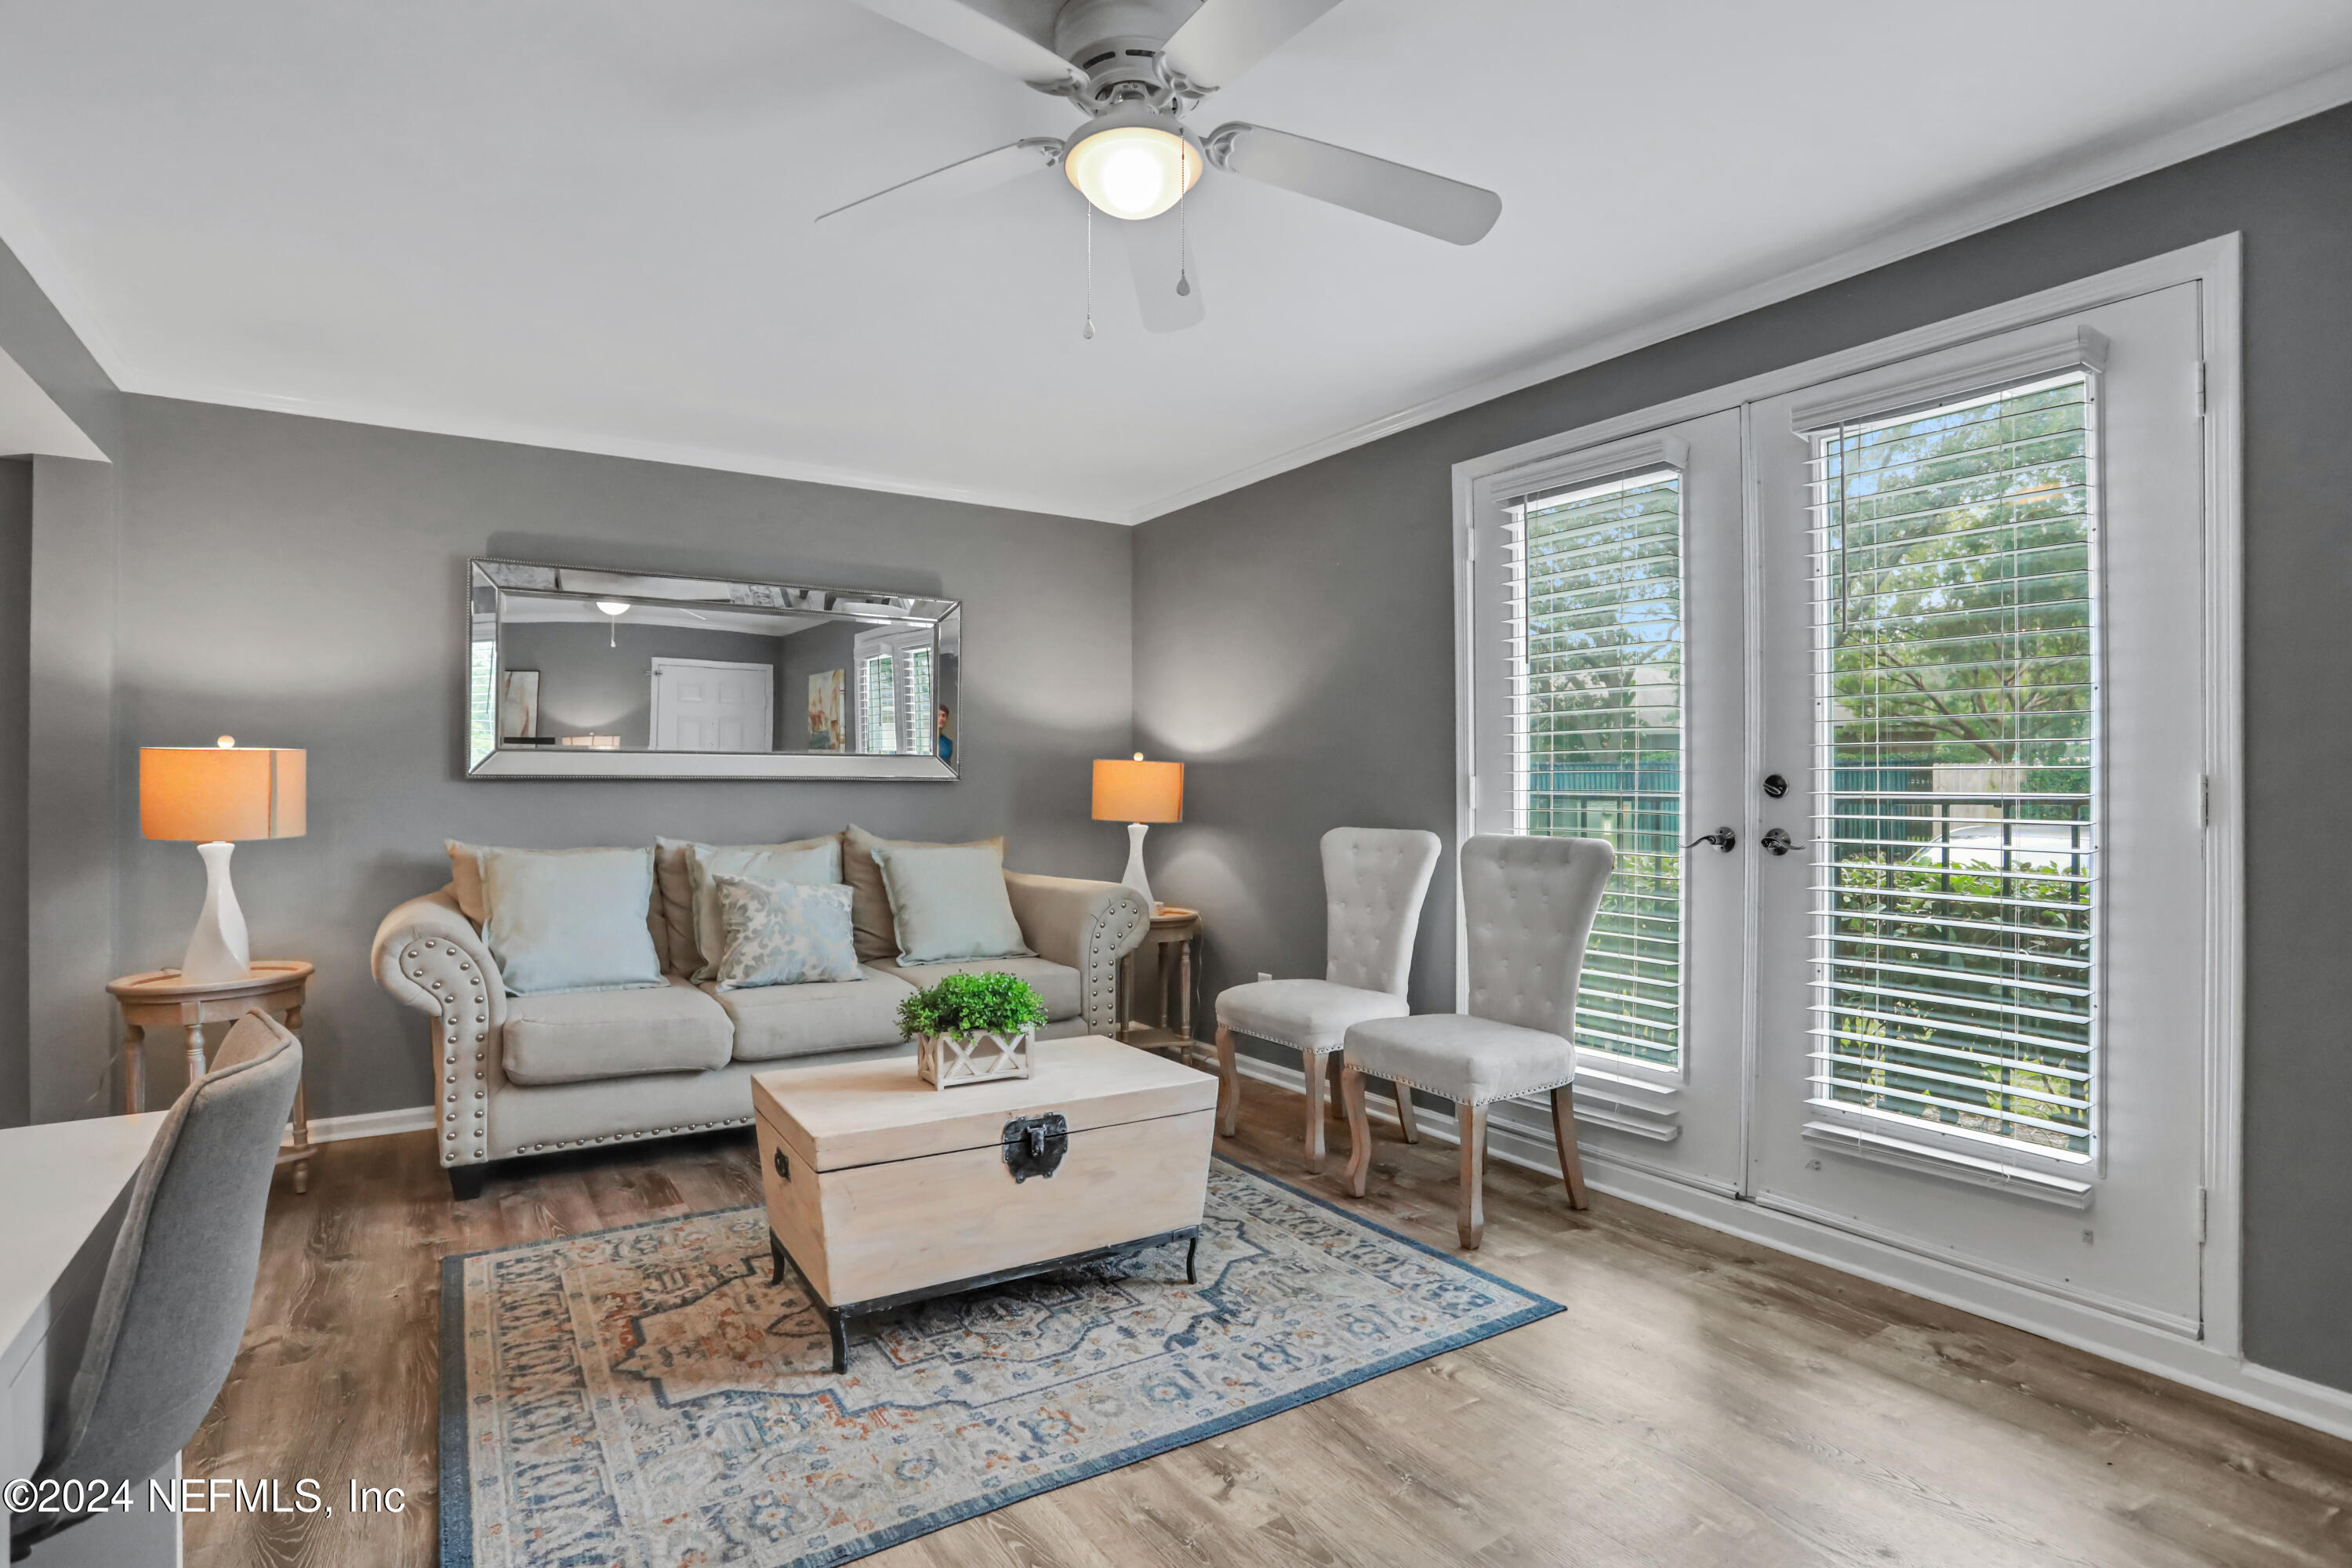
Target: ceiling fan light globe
{"points": [[1132, 171]]}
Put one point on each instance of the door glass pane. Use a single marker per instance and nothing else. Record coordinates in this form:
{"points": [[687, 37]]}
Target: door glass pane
{"points": [[1957, 767], [920, 715], [1597, 732]]}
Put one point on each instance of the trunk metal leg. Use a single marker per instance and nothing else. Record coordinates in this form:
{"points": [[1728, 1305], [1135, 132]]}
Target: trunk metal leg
{"points": [[840, 1326], [776, 1251], [1192, 1261]]}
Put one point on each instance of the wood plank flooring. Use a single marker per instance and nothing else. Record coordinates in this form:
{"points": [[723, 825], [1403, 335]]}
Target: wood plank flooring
{"points": [[1702, 1401]]}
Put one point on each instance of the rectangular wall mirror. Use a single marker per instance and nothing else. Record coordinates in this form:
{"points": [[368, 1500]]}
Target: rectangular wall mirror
{"points": [[576, 673]]}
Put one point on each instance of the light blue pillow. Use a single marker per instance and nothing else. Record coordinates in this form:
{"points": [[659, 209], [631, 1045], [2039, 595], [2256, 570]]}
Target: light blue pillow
{"points": [[948, 903], [783, 933], [809, 863], [570, 920]]}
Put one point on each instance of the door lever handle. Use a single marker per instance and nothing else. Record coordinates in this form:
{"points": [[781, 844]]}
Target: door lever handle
{"points": [[1722, 838], [1777, 841]]}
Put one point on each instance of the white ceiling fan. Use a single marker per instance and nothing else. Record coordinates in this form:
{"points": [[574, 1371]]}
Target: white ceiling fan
{"points": [[1137, 69]]}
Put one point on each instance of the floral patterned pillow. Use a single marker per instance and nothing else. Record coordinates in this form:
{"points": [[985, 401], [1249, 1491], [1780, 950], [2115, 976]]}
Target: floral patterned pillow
{"points": [[783, 933]]}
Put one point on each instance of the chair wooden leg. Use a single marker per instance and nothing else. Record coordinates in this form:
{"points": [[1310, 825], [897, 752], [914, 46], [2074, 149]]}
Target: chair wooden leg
{"points": [[1359, 1131], [1563, 1132], [1470, 1216], [1315, 1110], [1405, 1118], [1229, 1084]]}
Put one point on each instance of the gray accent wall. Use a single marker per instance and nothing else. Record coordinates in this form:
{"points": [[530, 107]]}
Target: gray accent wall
{"points": [[70, 862], [299, 582], [1294, 645]]}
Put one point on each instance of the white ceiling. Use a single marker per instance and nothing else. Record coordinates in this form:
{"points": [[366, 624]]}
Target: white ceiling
{"points": [[585, 223]]}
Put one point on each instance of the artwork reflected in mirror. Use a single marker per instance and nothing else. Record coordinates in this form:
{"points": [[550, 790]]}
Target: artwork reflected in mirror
{"points": [[591, 673], [518, 704], [825, 730]]}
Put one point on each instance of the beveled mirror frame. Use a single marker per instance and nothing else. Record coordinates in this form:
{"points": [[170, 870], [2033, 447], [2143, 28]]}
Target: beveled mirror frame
{"points": [[488, 581]]}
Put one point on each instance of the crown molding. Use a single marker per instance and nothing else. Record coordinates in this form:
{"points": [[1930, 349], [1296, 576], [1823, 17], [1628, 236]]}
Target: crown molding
{"points": [[2056, 181]]}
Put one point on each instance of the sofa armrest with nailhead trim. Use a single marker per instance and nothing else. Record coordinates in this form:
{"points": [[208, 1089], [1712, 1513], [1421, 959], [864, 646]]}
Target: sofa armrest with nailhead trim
{"points": [[428, 955], [1088, 925]]}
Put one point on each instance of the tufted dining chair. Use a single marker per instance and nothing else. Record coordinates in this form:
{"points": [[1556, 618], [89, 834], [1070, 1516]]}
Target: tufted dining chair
{"points": [[1374, 880], [1529, 905]]}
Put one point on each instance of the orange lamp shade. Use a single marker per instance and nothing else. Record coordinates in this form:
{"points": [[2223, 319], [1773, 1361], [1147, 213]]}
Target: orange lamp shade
{"points": [[204, 795], [1138, 791]]}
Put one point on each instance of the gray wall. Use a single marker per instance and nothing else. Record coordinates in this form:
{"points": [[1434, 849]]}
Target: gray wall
{"points": [[1300, 643], [16, 654], [299, 583], [599, 678], [70, 863]]}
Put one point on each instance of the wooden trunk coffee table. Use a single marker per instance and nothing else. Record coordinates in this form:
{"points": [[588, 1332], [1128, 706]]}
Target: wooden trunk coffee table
{"points": [[884, 1191]]}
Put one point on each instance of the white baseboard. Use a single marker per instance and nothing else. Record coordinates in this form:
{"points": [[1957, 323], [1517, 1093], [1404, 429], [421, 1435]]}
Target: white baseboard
{"points": [[2150, 1349], [368, 1125]]}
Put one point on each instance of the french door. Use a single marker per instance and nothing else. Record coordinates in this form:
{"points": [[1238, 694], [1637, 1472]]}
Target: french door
{"points": [[1889, 691], [1980, 991]]}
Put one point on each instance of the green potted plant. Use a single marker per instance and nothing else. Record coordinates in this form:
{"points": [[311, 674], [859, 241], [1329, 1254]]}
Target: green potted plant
{"points": [[972, 1028]]}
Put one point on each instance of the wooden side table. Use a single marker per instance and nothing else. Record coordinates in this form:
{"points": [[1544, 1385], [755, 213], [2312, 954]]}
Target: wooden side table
{"points": [[1174, 941], [157, 999]]}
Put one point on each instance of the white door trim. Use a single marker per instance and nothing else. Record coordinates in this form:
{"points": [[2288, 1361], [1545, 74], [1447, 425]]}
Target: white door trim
{"points": [[1480, 483]]}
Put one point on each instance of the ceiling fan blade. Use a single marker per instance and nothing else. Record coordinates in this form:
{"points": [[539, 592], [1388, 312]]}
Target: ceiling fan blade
{"points": [[1442, 208], [984, 38], [1224, 38], [1156, 259], [926, 193]]}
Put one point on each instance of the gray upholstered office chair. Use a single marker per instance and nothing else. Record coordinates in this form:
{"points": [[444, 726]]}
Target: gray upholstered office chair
{"points": [[1529, 904], [171, 1314], [1374, 880]]}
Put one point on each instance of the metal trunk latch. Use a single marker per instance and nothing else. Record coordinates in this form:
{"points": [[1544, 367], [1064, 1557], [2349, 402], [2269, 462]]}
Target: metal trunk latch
{"points": [[1033, 1145], [783, 1166]]}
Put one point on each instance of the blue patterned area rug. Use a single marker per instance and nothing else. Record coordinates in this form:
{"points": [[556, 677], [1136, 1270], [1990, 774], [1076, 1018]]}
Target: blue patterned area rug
{"points": [[643, 1396]]}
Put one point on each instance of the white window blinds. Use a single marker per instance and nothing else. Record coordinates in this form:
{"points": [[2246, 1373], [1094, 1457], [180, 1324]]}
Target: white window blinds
{"points": [[1595, 585], [878, 703], [1957, 767]]}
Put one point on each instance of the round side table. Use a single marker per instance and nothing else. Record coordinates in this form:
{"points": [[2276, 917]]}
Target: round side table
{"points": [[158, 1000], [1174, 941]]}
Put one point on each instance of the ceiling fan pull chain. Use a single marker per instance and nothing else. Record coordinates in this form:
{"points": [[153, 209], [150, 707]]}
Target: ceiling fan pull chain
{"points": [[1090, 270], [1183, 246]]}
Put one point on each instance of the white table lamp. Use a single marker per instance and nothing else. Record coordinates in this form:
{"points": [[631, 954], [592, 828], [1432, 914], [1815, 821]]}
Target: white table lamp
{"points": [[1138, 793], [212, 796]]}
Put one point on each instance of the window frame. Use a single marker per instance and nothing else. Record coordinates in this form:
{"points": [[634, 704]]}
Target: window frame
{"points": [[1491, 789]]}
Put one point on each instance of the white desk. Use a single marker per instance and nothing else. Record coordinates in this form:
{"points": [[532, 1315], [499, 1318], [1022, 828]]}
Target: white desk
{"points": [[66, 1183]]}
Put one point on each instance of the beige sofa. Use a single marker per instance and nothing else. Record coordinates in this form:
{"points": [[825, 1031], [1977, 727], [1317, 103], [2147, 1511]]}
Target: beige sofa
{"points": [[567, 1069]]}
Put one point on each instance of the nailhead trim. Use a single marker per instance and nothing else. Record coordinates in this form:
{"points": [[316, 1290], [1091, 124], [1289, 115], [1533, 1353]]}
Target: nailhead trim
{"points": [[1447, 1094], [552, 1147]]}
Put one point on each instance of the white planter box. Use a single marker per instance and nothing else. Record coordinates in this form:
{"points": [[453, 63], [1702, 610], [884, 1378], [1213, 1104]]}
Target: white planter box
{"points": [[946, 1061]]}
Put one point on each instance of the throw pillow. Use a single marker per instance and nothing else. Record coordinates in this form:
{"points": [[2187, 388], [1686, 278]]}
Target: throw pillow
{"points": [[869, 909], [570, 920], [465, 887], [815, 865], [948, 903], [783, 933], [674, 879]]}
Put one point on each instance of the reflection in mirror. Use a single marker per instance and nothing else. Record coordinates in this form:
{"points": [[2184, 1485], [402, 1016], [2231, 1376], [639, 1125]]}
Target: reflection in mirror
{"points": [[585, 673]]}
